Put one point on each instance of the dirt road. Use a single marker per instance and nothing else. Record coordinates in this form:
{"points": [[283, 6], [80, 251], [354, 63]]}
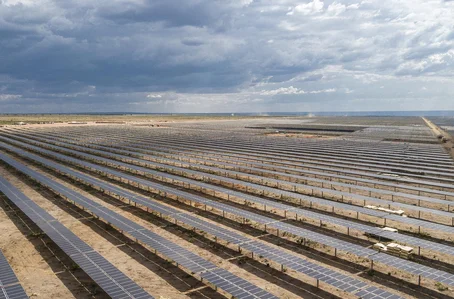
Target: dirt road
{"points": [[449, 145]]}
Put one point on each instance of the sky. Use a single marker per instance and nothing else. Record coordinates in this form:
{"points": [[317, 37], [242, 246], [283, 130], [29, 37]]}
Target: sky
{"points": [[226, 55]]}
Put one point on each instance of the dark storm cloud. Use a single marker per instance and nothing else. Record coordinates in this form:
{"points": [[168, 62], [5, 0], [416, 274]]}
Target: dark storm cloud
{"points": [[172, 13], [218, 54]]}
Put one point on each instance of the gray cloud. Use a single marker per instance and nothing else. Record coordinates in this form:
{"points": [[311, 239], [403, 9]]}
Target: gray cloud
{"points": [[224, 55]]}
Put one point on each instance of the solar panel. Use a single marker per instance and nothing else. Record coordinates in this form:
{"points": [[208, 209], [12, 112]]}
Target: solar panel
{"points": [[211, 229], [319, 238], [7, 275], [374, 293], [104, 273], [13, 292], [94, 263], [109, 278], [421, 223], [415, 268], [334, 278], [234, 285], [178, 254], [322, 239], [64, 238]]}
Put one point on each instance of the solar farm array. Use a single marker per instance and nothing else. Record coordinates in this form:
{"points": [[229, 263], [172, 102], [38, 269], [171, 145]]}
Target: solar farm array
{"points": [[244, 213]]}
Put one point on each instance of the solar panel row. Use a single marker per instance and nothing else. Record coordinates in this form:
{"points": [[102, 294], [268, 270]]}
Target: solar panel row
{"points": [[190, 261], [10, 287], [109, 278], [415, 268], [12, 292]]}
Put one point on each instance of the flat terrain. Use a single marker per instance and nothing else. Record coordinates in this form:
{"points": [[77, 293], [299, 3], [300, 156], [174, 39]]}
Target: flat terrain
{"points": [[14, 119], [283, 207]]}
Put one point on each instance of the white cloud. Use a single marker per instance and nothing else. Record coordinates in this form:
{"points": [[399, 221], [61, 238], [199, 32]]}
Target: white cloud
{"points": [[293, 90], [4, 97], [316, 6], [282, 90], [154, 96], [323, 91], [336, 8]]}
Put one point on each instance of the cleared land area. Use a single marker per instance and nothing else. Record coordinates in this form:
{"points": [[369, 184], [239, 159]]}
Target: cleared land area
{"points": [[226, 207]]}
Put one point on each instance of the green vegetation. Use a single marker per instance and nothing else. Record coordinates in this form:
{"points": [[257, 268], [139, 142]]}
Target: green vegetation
{"points": [[74, 267], [37, 235], [441, 287]]}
